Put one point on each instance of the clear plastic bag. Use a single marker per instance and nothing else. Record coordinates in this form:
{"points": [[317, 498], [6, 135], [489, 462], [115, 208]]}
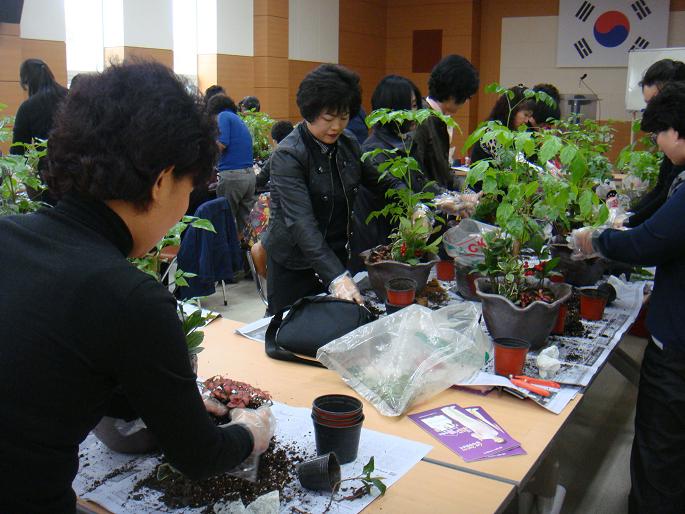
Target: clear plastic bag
{"points": [[410, 356], [465, 242], [457, 204]]}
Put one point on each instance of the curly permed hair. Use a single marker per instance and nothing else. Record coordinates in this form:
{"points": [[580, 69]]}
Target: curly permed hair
{"points": [[119, 129]]}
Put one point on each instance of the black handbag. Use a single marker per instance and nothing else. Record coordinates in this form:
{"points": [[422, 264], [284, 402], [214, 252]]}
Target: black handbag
{"points": [[312, 322]]}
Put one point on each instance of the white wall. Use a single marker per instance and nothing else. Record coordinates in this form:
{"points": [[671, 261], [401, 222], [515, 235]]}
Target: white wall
{"points": [[528, 56], [225, 27], [313, 30], [112, 23], [148, 24], [43, 19]]}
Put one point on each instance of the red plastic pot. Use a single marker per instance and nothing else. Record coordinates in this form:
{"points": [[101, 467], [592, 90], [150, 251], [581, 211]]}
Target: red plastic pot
{"points": [[639, 328], [557, 278], [561, 320], [510, 356], [592, 303], [445, 270], [400, 291], [337, 406]]}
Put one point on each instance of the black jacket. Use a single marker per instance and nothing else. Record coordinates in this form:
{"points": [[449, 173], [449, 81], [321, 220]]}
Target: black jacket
{"points": [[35, 117], [79, 323], [431, 149], [306, 194], [654, 199]]}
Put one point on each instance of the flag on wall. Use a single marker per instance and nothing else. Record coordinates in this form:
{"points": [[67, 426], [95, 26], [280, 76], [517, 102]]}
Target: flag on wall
{"points": [[602, 32]]}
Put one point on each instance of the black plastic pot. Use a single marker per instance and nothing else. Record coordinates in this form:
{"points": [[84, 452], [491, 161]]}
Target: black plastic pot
{"points": [[585, 272], [533, 323], [466, 282], [381, 272], [343, 441], [320, 474]]}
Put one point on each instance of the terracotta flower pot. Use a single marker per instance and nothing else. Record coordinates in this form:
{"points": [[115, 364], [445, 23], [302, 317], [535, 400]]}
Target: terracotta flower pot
{"points": [[533, 323], [592, 304], [400, 291], [510, 356], [381, 272], [445, 270], [561, 321]]}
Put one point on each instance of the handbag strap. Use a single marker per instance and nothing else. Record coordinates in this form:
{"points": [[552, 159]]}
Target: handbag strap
{"points": [[277, 352]]}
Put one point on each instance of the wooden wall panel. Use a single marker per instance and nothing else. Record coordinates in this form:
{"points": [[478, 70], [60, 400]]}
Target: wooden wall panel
{"points": [[166, 57], [677, 5], [206, 71], [10, 57], [271, 36], [271, 72], [114, 54], [54, 53], [236, 74], [274, 100], [297, 71], [277, 8]]}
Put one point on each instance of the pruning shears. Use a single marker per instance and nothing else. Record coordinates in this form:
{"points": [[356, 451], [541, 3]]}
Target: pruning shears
{"points": [[531, 384]]}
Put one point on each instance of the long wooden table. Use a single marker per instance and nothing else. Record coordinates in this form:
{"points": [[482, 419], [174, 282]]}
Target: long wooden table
{"points": [[232, 355]]}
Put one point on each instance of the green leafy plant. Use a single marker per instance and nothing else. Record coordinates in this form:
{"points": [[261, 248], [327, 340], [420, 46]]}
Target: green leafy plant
{"points": [[20, 183], [523, 196], [368, 483], [259, 124], [641, 158], [192, 323], [411, 239]]}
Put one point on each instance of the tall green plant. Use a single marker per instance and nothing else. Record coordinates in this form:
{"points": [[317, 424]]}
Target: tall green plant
{"points": [[20, 182], [259, 124], [410, 238]]}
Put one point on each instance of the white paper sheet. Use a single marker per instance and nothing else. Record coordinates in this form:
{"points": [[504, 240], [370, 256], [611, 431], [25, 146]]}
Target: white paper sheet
{"points": [[393, 456]]}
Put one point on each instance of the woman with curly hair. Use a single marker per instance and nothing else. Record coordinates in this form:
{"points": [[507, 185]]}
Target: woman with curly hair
{"points": [[90, 334]]}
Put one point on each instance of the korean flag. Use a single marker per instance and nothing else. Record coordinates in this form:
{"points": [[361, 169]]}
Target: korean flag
{"points": [[602, 32]]}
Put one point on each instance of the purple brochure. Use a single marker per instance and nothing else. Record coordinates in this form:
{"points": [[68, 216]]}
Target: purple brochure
{"points": [[480, 413], [468, 436]]}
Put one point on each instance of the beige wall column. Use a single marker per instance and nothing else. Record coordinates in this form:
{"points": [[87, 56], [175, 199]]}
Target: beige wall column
{"points": [[141, 29], [225, 46], [271, 71]]}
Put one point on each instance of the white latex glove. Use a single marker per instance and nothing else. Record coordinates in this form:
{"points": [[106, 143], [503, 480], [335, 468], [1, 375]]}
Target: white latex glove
{"points": [[343, 287], [215, 407], [260, 422], [581, 241]]}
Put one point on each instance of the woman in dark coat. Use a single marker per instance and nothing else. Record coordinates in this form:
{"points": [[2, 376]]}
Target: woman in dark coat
{"points": [[315, 175]]}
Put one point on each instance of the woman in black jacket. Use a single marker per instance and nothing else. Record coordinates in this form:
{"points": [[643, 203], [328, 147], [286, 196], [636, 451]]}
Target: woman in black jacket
{"points": [[656, 77], [81, 321], [315, 175]]}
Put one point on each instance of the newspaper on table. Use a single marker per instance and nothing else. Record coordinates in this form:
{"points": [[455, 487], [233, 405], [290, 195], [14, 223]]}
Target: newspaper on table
{"points": [[581, 357], [109, 478]]}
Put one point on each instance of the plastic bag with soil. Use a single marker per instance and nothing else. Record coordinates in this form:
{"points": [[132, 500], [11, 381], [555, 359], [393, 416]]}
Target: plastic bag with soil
{"points": [[412, 355]]}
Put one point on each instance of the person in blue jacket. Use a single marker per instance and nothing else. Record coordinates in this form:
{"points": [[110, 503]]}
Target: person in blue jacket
{"points": [[237, 178], [658, 453]]}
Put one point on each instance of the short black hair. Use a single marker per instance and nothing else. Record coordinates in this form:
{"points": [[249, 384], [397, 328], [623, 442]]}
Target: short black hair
{"points": [[250, 103], [663, 71], [453, 77], [500, 111], [220, 103], [666, 110], [329, 87], [394, 92], [214, 90], [280, 130], [543, 112], [119, 129]]}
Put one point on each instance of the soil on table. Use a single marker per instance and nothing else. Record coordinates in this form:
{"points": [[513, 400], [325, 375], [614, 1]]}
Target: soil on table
{"points": [[433, 293], [573, 327], [276, 470]]}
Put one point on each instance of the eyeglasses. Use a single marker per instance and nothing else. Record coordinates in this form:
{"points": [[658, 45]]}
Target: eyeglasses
{"points": [[652, 137]]}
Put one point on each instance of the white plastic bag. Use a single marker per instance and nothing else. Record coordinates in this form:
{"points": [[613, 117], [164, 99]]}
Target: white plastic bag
{"points": [[409, 356], [465, 241]]}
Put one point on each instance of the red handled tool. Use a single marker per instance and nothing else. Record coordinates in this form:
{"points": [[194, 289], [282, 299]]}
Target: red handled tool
{"points": [[531, 384]]}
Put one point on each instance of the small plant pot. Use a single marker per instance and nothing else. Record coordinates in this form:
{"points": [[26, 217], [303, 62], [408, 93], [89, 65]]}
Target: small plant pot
{"points": [[445, 270], [391, 308], [400, 291], [337, 406], [320, 474], [382, 271], [592, 304], [510, 356], [561, 321], [557, 278], [639, 328], [343, 441]]}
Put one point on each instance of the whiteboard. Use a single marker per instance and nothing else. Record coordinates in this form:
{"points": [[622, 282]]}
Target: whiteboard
{"points": [[638, 62]]}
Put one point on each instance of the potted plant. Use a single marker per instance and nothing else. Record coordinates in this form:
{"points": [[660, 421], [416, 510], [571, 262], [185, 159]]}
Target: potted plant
{"points": [[412, 252]]}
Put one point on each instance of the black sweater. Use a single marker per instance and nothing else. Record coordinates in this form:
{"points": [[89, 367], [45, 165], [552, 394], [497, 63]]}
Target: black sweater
{"points": [[79, 321]]}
